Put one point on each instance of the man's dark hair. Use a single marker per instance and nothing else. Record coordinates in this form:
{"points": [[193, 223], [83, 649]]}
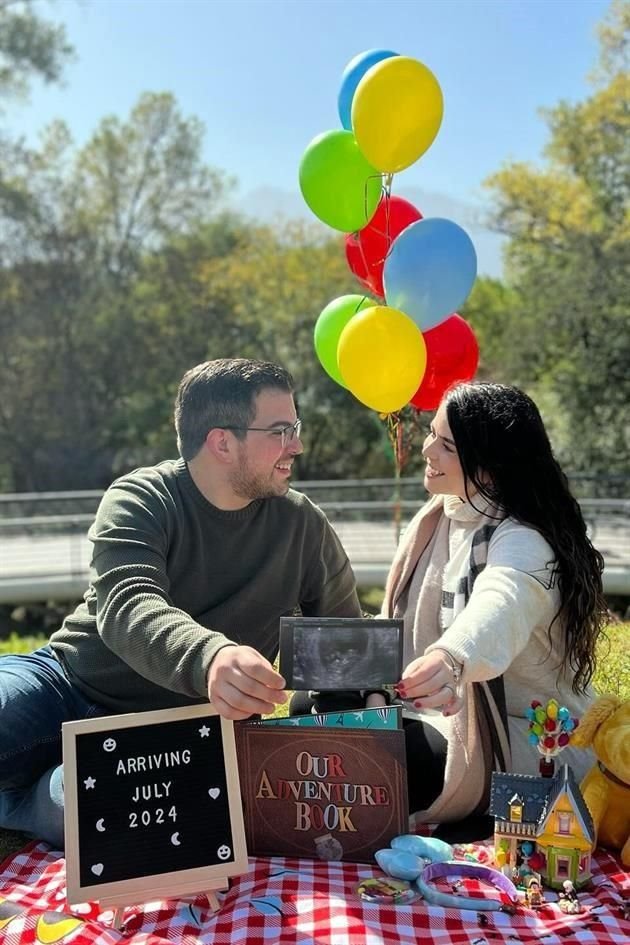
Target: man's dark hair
{"points": [[222, 393]]}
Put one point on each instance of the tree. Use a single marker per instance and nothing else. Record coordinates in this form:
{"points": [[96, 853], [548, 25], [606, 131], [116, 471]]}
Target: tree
{"points": [[569, 266], [29, 46], [274, 285], [76, 232], [489, 309]]}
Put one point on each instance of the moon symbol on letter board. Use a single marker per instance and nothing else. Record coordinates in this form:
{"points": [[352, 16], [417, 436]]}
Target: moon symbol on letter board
{"points": [[99, 826], [175, 839]]}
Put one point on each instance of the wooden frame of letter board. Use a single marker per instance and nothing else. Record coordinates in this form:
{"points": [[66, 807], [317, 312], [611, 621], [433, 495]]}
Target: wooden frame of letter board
{"points": [[163, 885]]}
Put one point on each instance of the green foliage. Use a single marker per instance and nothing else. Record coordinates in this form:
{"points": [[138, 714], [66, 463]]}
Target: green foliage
{"points": [[613, 667], [29, 46], [80, 231], [612, 675], [489, 309], [276, 283], [568, 333], [15, 643], [121, 269]]}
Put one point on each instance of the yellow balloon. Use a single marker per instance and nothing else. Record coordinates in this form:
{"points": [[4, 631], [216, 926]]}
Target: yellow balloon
{"points": [[552, 709], [382, 358], [500, 858], [396, 112]]}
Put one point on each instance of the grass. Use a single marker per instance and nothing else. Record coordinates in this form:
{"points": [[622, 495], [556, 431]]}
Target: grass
{"points": [[612, 676]]}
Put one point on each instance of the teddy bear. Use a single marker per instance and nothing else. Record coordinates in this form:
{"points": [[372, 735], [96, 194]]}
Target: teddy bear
{"points": [[606, 787]]}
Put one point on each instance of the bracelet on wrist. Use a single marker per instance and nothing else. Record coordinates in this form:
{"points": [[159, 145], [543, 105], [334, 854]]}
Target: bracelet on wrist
{"points": [[456, 668]]}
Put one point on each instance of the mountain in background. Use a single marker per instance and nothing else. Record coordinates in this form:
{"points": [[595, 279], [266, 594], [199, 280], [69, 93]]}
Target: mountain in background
{"points": [[270, 204]]}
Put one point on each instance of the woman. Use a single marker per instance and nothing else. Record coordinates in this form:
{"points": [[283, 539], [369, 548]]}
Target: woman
{"points": [[501, 594]]}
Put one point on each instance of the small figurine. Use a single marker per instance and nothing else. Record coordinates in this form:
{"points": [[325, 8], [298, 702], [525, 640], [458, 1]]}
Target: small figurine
{"points": [[534, 896], [568, 900]]}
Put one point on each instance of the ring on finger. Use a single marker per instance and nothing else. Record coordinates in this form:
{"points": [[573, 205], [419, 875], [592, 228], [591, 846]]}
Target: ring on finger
{"points": [[452, 691]]}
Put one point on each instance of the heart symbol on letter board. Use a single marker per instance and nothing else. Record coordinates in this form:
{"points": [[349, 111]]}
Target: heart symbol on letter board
{"points": [[214, 792], [97, 869]]}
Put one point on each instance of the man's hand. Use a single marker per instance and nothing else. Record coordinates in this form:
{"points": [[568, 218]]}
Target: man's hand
{"points": [[241, 683], [428, 683]]}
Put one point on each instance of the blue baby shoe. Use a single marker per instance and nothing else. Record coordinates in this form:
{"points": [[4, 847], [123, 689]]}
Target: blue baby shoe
{"points": [[437, 851], [399, 863]]}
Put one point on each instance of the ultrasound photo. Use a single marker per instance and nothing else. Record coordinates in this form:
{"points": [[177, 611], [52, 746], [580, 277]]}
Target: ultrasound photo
{"points": [[328, 653]]}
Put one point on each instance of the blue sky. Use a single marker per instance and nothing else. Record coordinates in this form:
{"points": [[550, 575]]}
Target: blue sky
{"points": [[263, 76]]}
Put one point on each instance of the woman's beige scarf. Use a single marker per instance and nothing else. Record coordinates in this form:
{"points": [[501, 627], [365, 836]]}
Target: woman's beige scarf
{"points": [[477, 736]]}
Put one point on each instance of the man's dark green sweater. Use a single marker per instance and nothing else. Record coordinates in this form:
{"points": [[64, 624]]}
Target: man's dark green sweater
{"points": [[173, 579]]}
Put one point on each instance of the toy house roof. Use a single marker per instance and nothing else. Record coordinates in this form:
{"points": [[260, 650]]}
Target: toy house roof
{"points": [[538, 796], [565, 782], [530, 789]]}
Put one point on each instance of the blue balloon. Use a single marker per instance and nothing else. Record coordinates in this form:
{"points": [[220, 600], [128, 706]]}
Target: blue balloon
{"points": [[530, 714], [563, 713], [430, 270], [352, 75]]}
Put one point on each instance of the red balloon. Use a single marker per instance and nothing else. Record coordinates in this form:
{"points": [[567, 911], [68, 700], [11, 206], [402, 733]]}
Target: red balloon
{"points": [[366, 250], [452, 355], [536, 861]]}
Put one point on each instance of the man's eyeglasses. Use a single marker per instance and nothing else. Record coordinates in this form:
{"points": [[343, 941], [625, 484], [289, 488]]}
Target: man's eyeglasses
{"points": [[284, 434]]}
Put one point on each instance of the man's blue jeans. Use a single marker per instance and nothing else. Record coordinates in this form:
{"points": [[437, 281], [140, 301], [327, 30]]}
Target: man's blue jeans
{"points": [[35, 698]]}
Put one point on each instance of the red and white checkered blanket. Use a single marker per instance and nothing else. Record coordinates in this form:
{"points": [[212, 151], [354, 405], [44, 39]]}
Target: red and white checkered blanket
{"points": [[295, 902]]}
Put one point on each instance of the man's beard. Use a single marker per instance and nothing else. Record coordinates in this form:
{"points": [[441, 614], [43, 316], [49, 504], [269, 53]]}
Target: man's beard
{"points": [[248, 485]]}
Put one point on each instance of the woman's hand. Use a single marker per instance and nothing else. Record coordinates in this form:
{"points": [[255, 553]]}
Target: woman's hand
{"points": [[428, 682]]}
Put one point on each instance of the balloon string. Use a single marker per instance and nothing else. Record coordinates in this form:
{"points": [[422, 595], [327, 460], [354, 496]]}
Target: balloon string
{"points": [[395, 433], [366, 267], [403, 428], [365, 196], [386, 190]]}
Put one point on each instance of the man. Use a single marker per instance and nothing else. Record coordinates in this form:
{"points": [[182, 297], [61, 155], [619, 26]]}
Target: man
{"points": [[194, 562]]}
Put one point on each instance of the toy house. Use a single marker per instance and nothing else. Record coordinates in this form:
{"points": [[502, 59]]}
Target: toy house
{"points": [[547, 815]]}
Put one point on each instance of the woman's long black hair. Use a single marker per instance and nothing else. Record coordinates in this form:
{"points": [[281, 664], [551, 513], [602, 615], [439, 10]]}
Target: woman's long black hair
{"points": [[505, 453]]}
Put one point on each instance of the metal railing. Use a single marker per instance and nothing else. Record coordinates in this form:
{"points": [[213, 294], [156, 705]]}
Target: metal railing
{"points": [[45, 553]]}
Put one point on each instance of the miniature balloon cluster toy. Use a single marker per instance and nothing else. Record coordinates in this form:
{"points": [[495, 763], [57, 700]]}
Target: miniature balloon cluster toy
{"points": [[550, 730]]}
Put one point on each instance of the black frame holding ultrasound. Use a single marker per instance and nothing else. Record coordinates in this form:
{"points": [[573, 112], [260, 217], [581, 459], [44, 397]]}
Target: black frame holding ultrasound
{"points": [[365, 653]]}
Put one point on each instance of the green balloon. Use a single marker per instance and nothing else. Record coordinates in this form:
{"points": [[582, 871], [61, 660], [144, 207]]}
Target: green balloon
{"points": [[329, 326], [338, 183]]}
